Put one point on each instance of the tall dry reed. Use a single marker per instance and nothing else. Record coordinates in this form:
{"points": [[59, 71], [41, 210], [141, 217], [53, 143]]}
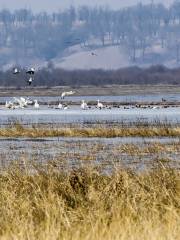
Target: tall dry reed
{"points": [[46, 203]]}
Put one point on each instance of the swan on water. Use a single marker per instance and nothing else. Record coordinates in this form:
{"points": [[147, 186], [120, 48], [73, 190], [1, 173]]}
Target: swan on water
{"points": [[11, 105], [18, 103], [36, 104], [64, 94], [8, 104], [21, 101], [99, 105], [60, 106], [24, 101], [29, 101], [66, 107], [84, 105]]}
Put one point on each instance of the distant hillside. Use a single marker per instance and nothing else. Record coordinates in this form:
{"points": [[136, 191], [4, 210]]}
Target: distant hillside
{"points": [[92, 38], [113, 57]]}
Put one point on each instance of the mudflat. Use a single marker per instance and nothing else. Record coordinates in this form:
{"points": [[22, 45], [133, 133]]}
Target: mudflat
{"points": [[91, 90]]}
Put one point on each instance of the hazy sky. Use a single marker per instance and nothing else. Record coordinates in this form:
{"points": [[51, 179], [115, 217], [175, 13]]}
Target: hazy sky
{"points": [[55, 5]]}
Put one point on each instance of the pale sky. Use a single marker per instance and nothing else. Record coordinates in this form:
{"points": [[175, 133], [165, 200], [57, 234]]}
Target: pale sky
{"points": [[55, 5]]}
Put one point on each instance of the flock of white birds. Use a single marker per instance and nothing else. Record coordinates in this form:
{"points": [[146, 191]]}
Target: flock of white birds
{"points": [[20, 103]]}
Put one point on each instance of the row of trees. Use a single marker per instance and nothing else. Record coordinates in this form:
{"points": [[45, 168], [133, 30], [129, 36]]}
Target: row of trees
{"points": [[26, 35], [49, 77]]}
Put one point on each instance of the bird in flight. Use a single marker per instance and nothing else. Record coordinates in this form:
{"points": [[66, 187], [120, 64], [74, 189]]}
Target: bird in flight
{"points": [[30, 80], [64, 94], [16, 71], [31, 71]]}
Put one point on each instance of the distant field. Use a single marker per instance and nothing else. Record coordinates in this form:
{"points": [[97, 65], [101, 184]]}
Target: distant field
{"points": [[92, 90]]}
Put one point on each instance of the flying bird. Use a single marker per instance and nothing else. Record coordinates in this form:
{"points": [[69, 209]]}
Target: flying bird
{"points": [[64, 94], [30, 80], [31, 71], [16, 71]]}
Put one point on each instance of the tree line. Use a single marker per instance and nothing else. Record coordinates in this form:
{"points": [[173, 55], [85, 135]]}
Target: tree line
{"points": [[51, 77]]}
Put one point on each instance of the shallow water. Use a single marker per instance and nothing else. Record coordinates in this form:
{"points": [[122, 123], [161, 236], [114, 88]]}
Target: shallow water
{"points": [[76, 115], [121, 98], [115, 140], [75, 152]]}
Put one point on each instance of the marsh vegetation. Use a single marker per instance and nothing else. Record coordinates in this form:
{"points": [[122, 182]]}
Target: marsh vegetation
{"points": [[87, 204], [90, 188], [96, 130]]}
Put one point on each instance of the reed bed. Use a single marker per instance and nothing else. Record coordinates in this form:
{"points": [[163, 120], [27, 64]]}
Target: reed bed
{"points": [[18, 130], [46, 203]]}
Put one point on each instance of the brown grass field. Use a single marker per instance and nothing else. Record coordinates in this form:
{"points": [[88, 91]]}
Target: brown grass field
{"points": [[88, 204]]}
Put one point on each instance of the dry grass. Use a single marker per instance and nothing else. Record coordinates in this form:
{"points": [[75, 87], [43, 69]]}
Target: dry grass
{"points": [[153, 148], [86, 204], [17, 130]]}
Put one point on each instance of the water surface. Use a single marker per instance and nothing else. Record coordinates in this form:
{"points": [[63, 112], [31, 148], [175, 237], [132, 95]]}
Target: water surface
{"points": [[76, 115]]}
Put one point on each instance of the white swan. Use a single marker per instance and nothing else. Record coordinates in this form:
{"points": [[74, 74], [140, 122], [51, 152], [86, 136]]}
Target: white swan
{"points": [[64, 94], [18, 103], [99, 105], [84, 105], [21, 102], [60, 106], [29, 101], [8, 104], [24, 101], [66, 107], [11, 105], [36, 104]]}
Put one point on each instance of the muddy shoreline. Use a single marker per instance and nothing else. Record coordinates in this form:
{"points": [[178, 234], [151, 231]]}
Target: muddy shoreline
{"points": [[116, 90]]}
